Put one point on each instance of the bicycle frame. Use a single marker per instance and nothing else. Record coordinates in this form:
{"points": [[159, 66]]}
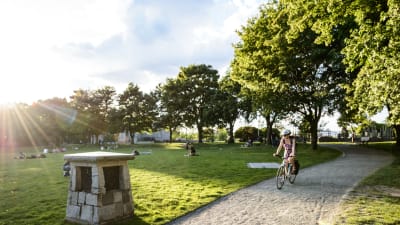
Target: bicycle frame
{"points": [[283, 173], [288, 168]]}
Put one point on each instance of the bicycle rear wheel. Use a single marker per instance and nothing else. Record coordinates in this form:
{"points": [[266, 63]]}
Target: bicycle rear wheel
{"points": [[280, 177], [292, 177]]}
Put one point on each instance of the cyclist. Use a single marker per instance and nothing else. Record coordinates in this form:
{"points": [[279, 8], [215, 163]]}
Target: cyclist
{"points": [[289, 143]]}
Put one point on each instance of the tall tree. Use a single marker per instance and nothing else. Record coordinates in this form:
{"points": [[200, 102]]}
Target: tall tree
{"points": [[170, 113], [229, 105], [137, 110], [197, 84], [372, 45], [271, 59], [105, 99], [47, 122], [271, 107], [89, 120]]}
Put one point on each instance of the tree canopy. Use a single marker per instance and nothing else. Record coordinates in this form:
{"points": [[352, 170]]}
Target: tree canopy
{"points": [[304, 74], [370, 33]]}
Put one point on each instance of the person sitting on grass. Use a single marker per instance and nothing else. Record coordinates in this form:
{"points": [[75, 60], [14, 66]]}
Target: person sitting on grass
{"points": [[191, 150]]}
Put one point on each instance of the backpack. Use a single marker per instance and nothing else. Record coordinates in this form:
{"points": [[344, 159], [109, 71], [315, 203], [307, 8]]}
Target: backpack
{"points": [[296, 166]]}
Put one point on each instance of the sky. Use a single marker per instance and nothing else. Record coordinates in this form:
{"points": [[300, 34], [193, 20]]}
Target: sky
{"points": [[49, 48]]}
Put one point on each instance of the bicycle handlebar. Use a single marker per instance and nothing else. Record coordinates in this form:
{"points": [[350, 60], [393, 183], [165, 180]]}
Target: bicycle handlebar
{"points": [[277, 156]]}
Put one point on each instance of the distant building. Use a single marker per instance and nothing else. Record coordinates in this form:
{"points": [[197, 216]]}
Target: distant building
{"points": [[380, 131], [158, 136]]}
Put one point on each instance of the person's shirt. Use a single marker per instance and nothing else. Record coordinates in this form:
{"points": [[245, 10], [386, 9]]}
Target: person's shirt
{"points": [[288, 145]]}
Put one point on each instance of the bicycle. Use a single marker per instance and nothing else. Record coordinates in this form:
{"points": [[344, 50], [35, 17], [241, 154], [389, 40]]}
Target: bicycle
{"points": [[283, 174]]}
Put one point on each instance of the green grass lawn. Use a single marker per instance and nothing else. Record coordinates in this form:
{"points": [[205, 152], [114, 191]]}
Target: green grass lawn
{"points": [[165, 184], [376, 200]]}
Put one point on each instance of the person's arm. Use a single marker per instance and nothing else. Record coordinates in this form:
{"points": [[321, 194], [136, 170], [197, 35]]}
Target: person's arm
{"points": [[279, 148]]}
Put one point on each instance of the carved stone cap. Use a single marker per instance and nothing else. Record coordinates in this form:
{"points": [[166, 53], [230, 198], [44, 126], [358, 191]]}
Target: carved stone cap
{"points": [[97, 157]]}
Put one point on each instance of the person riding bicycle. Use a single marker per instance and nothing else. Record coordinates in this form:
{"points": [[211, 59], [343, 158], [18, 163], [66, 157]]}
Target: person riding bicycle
{"points": [[289, 143]]}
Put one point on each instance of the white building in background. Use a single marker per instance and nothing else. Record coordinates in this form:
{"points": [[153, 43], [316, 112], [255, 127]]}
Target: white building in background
{"points": [[158, 136]]}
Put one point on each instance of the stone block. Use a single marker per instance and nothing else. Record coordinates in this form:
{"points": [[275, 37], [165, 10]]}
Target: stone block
{"points": [[128, 209], [73, 211], [117, 196], [95, 171], [87, 213], [81, 198], [126, 197], [73, 176], [107, 212], [74, 198], [108, 198], [95, 181], [92, 199], [99, 191], [119, 210], [96, 217], [125, 178]]}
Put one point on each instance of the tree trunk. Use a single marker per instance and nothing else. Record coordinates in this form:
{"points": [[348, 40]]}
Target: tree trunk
{"points": [[170, 134], [397, 145], [231, 139], [314, 134], [200, 132], [269, 131], [132, 133]]}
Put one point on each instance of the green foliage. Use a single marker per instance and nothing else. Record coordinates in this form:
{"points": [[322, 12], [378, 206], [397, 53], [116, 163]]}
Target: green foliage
{"points": [[230, 104], [169, 107], [137, 109], [222, 135], [192, 95], [246, 133], [371, 43], [279, 58], [47, 122]]}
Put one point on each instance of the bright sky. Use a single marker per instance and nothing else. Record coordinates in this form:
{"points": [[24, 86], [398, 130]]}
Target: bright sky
{"points": [[48, 48]]}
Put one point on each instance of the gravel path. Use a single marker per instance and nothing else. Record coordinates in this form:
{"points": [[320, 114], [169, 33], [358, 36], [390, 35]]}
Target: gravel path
{"points": [[312, 199]]}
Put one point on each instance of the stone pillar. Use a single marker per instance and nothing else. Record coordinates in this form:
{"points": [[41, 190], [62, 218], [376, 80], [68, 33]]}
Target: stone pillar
{"points": [[99, 189]]}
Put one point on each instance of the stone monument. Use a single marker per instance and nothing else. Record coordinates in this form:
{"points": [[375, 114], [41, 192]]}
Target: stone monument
{"points": [[99, 189]]}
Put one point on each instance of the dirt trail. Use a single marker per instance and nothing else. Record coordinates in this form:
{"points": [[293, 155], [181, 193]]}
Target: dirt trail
{"points": [[313, 198]]}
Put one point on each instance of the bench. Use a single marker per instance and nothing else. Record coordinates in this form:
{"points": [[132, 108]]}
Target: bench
{"points": [[364, 140]]}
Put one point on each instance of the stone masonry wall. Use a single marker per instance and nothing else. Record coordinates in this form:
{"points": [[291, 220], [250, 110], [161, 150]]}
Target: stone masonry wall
{"points": [[100, 205]]}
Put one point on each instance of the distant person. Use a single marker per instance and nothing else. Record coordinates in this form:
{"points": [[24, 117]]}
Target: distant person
{"points": [[192, 150], [135, 152], [274, 140], [22, 155], [249, 143], [289, 144], [66, 168]]}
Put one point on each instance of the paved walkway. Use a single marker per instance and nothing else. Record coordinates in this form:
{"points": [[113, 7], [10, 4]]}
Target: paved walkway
{"points": [[312, 199]]}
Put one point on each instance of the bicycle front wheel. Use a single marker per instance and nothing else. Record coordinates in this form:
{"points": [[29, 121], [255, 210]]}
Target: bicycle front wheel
{"points": [[280, 177]]}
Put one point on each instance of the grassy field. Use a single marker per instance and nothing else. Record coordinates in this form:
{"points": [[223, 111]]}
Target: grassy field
{"points": [[376, 200], [165, 184]]}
